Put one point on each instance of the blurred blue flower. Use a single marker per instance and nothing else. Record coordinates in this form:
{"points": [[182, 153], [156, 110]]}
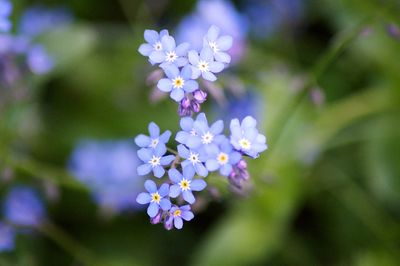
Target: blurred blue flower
{"points": [[154, 139], [38, 19], [108, 169], [154, 160], [195, 159], [5, 12], [204, 64], [245, 137], [170, 53], [223, 158], [39, 61], [156, 198], [177, 82], [7, 237], [220, 13], [23, 207], [177, 215], [218, 44], [184, 184]]}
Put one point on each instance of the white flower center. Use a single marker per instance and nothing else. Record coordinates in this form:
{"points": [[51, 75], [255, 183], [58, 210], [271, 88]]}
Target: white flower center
{"points": [[155, 197], [223, 158], [170, 56], [154, 143], [194, 158], [157, 46], [184, 184], [178, 82], [245, 144], [207, 138], [193, 132], [154, 161], [214, 46], [203, 66]]}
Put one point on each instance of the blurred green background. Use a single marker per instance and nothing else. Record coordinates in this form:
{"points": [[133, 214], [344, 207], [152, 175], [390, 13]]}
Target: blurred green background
{"points": [[326, 192]]}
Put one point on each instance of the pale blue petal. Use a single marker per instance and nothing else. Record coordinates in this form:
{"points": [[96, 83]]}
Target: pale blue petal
{"points": [[200, 169], [164, 190], [165, 204], [213, 33], [166, 160], [154, 130], [186, 123], [212, 165], [142, 141], [177, 95], [143, 198], [168, 43], [145, 49], [249, 122], [164, 85], [157, 57], [224, 43], [150, 186], [186, 72], [174, 191], [165, 136], [217, 127], [174, 175], [160, 149], [193, 57], [163, 33], [222, 57], [190, 86], [188, 196], [198, 185], [234, 157], [171, 71], [158, 171], [182, 49], [208, 76], [152, 210], [145, 154], [151, 36], [202, 117], [182, 137], [193, 142], [225, 170], [181, 61], [187, 215], [144, 169], [216, 67], [188, 172], [195, 72], [251, 134], [178, 223], [183, 151], [206, 54]]}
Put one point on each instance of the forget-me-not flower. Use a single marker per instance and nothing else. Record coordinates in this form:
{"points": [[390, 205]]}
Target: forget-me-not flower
{"points": [[177, 82], [185, 184], [177, 215], [23, 207], [223, 158], [195, 159], [171, 54], [156, 198], [154, 137], [204, 64], [7, 237], [5, 11], [218, 44], [153, 39], [188, 130], [245, 137], [154, 160]]}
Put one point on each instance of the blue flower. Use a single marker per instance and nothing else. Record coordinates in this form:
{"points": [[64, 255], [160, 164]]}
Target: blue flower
{"points": [[245, 137], [194, 159], [154, 139], [184, 184], [153, 39], [223, 158], [218, 44], [177, 83], [23, 207], [188, 130], [7, 237], [154, 160], [176, 214], [155, 197], [171, 54], [5, 11], [204, 64], [38, 60], [108, 169]]}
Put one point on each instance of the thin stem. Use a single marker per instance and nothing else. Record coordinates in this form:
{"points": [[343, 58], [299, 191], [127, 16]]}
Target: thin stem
{"points": [[172, 151]]}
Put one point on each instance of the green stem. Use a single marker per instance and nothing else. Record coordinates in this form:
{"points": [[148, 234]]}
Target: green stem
{"points": [[172, 151]]}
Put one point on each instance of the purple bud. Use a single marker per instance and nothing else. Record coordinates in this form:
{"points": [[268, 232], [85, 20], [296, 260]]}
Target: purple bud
{"points": [[157, 219], [185, 103], [393, 30], [200, 96], [242, 165], [196, 107], [168, 224]]}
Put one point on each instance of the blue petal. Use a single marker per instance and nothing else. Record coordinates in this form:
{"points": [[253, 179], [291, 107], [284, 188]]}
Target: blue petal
{"points": [[145, 49], [166, 160], [165, 204], [193, 57], [165, 136], [178, 223], [249, 122], [164, 85], [177, 95], [145, 154], [171, 71], [234, 157], [143, 198], [144, 169], [198, 185], [190, 86], [142, 141], [224, 43], [183, 151], [187, 215], [188, 172], [174, 175], [251, 134], [208, 76], [150, 186], [216, 67], [151, 36], [168, 43], [154, 130], [206, 54], [213, 33], [158, 171], [202, 117], [181, 61], [225, 170], [174, 191], [182, 49], [222, 57], [157, 56], [188, 196], [212, 165], [186, 123], [160, 149], [217, 127], [182, 137], [152, 210], [164, 190], [195, 72], [200, 169], [163, 33], [193, 142], [186, 72]]}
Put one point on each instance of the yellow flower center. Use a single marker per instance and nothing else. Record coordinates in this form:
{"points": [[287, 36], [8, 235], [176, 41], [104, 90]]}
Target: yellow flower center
{"points": [[177, 213], [245, 144], [178, 82], [184, 184], [155, 197], [223, 158]]}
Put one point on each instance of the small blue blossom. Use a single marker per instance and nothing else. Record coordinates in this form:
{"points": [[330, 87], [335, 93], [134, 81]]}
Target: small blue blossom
{"points": [[154, 139], [223, 158], [7, 237], [177, 83], [177, 215], [204, 64], [5, 11], [171, 54], [194, 159], [39, 60], [23, 207], [187, 125], [153, 39], [218, 44], [154, 160], [184, 184], [155, 197], [245, 137]]}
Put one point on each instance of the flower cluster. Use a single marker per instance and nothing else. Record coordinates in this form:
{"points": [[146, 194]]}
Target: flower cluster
{"points": [[202, 149], [183, 66]]}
